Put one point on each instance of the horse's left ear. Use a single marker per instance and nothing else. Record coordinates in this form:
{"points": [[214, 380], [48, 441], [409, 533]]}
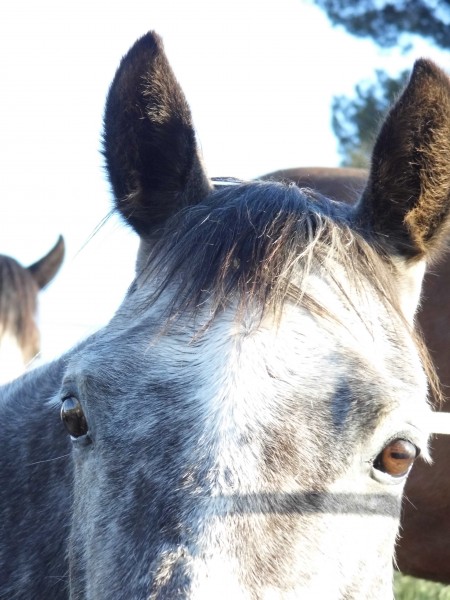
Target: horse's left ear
{"points": [[406, 203], [149, 140]]}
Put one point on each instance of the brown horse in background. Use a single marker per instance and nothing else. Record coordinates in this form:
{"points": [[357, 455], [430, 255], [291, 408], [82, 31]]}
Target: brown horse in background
{"points": [[424, 546], [19, 287]]}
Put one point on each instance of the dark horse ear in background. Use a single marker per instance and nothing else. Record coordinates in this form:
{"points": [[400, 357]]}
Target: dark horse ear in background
{"points": [[149, 140], [46, 268], [408, 192]]}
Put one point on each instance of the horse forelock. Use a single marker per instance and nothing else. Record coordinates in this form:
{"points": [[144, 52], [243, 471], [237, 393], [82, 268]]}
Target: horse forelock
{"points": [[254, 244], [258, 242]]}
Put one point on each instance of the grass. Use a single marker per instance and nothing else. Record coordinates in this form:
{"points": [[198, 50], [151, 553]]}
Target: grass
{"points": [[409, 588]]}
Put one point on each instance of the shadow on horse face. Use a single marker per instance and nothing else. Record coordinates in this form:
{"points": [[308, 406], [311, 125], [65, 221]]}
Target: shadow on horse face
{"points": [[244, 425], [423, 549]]}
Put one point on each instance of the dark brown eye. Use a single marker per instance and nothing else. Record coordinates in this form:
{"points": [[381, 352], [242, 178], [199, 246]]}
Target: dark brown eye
{"points": [[72, 416], [396, 458]]}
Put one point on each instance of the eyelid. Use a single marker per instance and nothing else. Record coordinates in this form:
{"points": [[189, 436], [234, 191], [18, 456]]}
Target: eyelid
{"points": [[398, 425], [420, 438], [69, 389], [412, 435], [387, 479]]}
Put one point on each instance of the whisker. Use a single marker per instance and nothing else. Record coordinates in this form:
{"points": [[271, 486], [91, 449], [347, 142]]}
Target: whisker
{"points": [[38, 462]]}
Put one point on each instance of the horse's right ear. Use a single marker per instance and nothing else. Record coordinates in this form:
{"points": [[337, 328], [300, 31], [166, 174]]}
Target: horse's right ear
{"points": [[149, 140]]}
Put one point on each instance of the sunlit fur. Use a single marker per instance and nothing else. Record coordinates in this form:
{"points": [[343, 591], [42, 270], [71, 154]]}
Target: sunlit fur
{"points": [[240, 401], [250, 433]]}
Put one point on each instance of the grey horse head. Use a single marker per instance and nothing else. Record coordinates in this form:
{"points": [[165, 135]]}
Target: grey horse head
{"points": [[244, 426]]}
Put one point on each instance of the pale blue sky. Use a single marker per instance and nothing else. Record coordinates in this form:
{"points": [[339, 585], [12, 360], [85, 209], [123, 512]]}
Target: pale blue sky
{"points": [[259, 77]]}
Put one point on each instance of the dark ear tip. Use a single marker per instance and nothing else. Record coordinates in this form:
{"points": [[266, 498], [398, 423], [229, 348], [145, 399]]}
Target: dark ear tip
{"points": [[61, 246], [152, 38], [149, 44], [424, 65], [424, 68]]}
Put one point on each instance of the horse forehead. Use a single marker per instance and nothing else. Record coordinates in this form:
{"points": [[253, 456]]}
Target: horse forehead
{"points": [[273, 356], [358, 324], [348, 349]]}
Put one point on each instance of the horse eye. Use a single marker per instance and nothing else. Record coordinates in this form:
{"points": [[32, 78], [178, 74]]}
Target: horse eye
{"points": [[396, 458], [72, 416]]}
